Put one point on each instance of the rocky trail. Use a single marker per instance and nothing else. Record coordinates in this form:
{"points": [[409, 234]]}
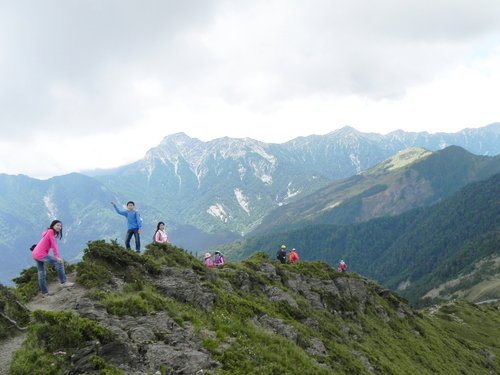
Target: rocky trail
{"points": [[59, 299]]}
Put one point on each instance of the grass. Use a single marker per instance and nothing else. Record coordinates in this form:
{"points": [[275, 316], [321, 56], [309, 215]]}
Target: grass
{"points": [[457, 338], [53, 336]]}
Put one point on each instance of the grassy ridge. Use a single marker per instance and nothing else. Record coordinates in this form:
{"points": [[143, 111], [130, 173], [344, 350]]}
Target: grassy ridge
{"points": [[363, 330]]}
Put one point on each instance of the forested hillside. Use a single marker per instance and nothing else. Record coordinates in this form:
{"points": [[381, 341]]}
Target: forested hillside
{"points": [[416, 251]]}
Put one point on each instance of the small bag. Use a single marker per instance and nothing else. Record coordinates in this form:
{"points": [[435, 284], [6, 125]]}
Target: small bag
{"points": [[32, 247]]}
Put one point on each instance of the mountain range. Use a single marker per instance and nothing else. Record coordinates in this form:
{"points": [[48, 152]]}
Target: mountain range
{"points": [[207, 192]]}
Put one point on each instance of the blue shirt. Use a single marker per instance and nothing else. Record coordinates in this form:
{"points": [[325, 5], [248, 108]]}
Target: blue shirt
{"points": [[134, 220]]}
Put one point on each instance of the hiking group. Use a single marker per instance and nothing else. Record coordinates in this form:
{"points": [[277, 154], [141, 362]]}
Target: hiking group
{"points": [[40, 251], [216, 262], [284, 257], [293, 257]]}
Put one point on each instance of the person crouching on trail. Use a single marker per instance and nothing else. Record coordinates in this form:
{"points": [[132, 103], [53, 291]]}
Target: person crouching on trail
{"points": [[342, 267], [293, 257], [281, 254]]}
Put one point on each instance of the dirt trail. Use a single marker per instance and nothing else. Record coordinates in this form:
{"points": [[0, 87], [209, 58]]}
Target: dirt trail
{"points": [[7, 350], [59, 299]]}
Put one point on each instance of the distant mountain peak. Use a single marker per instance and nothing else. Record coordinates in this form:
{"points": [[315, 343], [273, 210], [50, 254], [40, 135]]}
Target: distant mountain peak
{"points": [[346, 130], [178, 138]]}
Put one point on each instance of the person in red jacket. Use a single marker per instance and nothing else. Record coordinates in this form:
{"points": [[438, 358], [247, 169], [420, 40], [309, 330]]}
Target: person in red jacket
{"points": [[293, 257], [342, 267]]}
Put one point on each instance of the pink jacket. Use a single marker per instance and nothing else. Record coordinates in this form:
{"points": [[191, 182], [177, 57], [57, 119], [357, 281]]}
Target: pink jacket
{"points": [[161, 236], [47, 242], [209, 262]]}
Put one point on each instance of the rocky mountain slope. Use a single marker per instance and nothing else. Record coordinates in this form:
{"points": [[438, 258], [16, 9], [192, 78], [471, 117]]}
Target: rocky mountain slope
{"points": [[410, 179], [166, 313]]}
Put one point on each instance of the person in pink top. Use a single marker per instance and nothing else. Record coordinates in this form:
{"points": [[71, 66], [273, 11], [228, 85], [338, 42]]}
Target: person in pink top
{"points": [[160, 234], [41, 256], [207, 260]]}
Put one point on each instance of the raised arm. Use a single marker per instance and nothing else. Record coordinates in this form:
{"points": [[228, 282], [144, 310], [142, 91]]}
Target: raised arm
{"points": [[123, 213]]}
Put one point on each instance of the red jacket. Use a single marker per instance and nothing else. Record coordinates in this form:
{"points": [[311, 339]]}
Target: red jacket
{"points": [[342, 267], [293, 256]]}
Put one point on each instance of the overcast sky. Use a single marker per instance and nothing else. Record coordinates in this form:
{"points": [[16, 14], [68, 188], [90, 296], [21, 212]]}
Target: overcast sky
{"points": [[96, 83]]}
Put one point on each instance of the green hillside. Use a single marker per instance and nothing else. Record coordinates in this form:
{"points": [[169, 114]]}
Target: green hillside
{"points": [[166, 313], [418, 250], [410, 179]]}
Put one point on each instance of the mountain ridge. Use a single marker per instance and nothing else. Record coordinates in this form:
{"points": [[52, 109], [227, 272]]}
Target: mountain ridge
{"points": [[165, 312], [414, 252], [233, 185]]}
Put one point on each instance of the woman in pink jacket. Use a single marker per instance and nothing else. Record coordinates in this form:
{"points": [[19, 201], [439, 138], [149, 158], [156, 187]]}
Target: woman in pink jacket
{"points": [[41, 256]]}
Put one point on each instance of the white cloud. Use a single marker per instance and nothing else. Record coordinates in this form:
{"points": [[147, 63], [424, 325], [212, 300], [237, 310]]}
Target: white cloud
{"points": [[85, 76]]}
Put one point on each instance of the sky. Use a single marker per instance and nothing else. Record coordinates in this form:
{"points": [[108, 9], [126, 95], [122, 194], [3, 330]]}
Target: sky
{"points": [[88, 84]]}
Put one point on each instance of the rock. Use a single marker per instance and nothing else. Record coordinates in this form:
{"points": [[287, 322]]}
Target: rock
{"points": [[181, 362], [142, 334], [80, 363], [316, 348], [364, 361], [269, 272], [119, 353], [304, 288], [277, 326], [382, 313], [243, 281], [185, 286], [276, 295], [89, 309]]}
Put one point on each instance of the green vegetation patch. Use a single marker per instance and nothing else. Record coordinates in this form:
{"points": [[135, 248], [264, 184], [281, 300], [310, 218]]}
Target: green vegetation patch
{"points": [[53, 336], [102, 261], [14, 316], [172, 256]]}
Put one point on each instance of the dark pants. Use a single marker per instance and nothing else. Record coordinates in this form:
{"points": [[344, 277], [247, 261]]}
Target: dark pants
{"points": [[135, 233]]}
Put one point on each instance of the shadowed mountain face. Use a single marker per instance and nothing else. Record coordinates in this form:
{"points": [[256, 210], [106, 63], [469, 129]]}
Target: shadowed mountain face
{"points": [[165, 312], [212, 192]]}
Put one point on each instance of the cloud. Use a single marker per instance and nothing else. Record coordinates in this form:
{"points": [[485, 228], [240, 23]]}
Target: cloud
{"points": [[76, 60], [102, 71]]}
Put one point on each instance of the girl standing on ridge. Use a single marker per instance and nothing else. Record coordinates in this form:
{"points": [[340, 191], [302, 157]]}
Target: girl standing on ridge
{"points": [[41, 256], [160, 234]]}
